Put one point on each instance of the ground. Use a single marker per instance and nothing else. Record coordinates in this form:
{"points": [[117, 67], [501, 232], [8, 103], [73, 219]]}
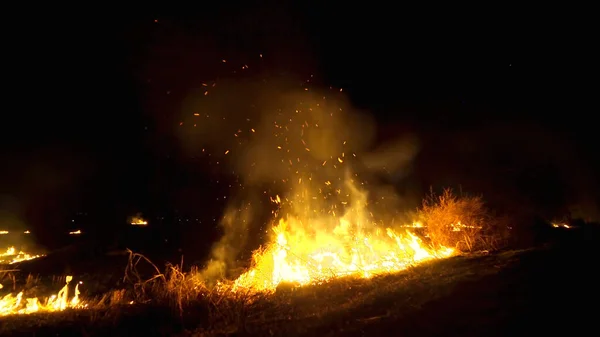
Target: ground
{"points": [[551, 288]]}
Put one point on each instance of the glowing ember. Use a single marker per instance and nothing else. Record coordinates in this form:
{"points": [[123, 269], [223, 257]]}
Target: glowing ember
{"points": [[15, 304], [12, 255], [3, 232], [77, 232]]}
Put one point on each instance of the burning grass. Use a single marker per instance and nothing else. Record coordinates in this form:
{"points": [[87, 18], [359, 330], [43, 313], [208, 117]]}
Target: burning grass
{"points": [[35, 296], [18, 304], [342, 304], [235, 304], [177, 303], [137, 220], [318, 245], [354, 245], [315, 268], [12, 255], [295, 256]]}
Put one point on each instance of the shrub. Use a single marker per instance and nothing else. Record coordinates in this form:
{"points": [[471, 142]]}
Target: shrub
{"points": [[462, 222]]}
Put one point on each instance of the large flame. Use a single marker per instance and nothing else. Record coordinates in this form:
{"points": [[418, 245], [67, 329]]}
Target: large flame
{"points": [[311, 243], [15, 304], [295, 256], [307, 149]]}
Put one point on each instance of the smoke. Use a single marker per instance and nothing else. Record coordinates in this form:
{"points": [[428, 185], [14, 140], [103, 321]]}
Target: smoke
{"points": [[12, 225], [393, 157], [235, 224], [284, 138], [261, 123], [43, 187], [10, 214]]}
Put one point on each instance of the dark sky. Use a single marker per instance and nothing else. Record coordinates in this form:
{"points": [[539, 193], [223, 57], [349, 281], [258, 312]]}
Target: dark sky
{"points": [[92, 98]]}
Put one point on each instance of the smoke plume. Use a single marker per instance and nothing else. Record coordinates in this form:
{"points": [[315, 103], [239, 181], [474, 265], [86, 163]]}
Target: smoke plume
{"points": [[282, 138]]}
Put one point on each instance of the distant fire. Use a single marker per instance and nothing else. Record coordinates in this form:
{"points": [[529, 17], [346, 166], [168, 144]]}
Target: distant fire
{"points": [[12, 255], [77, 232], [138, 221], [3, 232]]}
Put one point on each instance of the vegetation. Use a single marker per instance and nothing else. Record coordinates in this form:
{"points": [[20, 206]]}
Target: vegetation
{"points": [[185, 305], [420, 301], [423, 301], [462, 222]]}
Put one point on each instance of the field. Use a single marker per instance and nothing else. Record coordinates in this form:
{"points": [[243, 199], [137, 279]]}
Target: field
{"points": [[537, 290]]}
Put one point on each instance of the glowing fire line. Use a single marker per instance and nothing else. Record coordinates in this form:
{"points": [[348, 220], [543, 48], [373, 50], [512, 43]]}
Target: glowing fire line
{"points": [[11, 256], [137, 221], [15, 304], [291, 258]]}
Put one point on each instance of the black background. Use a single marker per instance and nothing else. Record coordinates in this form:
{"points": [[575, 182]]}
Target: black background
{"points": [[88, 126]]}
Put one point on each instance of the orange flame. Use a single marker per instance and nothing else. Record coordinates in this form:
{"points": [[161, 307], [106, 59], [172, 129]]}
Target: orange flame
{"points": [[138, 221], [315, 245], [12, 255], [15, 304]]}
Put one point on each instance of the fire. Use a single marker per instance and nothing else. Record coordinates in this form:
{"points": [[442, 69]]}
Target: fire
{"points": [[326, 226], [11, 255], [457, 227], [316, 245], [77, 232], [295, 256], [15, 304], [138, 221]]}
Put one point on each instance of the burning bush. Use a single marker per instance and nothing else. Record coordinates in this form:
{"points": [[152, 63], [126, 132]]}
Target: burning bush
{"points": [[463, 222]]}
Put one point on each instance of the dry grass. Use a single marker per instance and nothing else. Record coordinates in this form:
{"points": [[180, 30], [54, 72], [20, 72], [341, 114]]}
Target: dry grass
{"points": [[462, 222], [7, 274], [456, 221], [351, 304], [218, 306]]}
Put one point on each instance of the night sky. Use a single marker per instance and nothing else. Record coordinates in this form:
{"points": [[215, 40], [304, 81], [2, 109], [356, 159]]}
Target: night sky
{"points": [[500, 101]]}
